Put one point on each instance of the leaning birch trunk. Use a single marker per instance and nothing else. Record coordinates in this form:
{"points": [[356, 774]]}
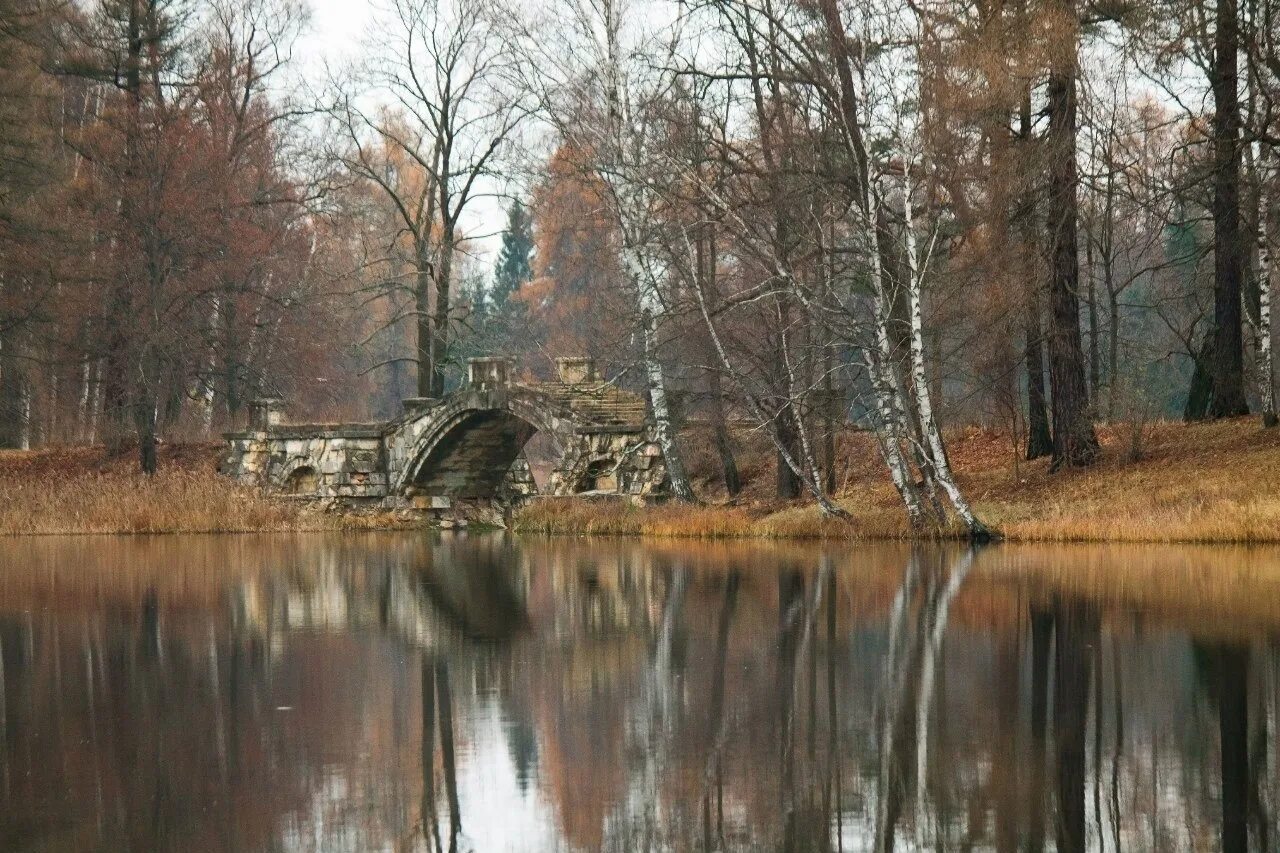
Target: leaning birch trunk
{"points": [[888, 393], [1265, 363], [663, 428], [924, 404]]}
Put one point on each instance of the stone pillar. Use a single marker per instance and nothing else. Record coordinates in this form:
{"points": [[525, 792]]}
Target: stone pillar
{"points": [[266, 412], [484, 373], [575, 370]]}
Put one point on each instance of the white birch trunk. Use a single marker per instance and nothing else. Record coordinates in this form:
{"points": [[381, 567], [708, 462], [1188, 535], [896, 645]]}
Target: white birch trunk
{"points": [[95, 407], [82, 406], [664, 430], [1265, 362], [207, 393], [24, 414], [888, 395], [51, 427], [924, 405]]}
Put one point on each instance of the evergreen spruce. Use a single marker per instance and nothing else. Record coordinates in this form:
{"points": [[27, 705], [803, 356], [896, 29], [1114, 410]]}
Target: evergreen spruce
{"points": [[513, 268]]}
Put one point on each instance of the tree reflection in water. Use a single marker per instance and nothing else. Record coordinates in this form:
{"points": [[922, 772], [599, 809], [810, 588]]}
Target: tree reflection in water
{"points": [[260, 694]]}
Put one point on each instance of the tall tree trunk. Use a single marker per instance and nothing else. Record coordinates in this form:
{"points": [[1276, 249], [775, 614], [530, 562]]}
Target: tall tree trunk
{"points": [[663, 428], [144, 420], [235, 358], [1074, 441], [11, 395], [1113, 351], [788, 481], [924, 406], [1039, 439], [1095, 357], [720, 430], [1265, 360], [705, 251], [440, 322], [424, 348], [82, 407], [1227, 371]]}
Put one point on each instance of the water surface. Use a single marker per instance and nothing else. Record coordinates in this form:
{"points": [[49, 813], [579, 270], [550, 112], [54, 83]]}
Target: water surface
{"points": [[409, 692]]}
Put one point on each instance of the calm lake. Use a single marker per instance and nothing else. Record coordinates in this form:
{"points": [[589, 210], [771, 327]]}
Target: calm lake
{"points": [[491, 693]]}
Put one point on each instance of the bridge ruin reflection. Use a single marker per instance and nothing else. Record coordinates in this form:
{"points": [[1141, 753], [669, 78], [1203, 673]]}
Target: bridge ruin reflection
{"points": [[271, 693]]}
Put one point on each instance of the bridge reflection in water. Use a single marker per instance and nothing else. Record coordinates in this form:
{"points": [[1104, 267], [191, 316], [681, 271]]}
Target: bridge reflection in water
{"points": [[391, 691]]}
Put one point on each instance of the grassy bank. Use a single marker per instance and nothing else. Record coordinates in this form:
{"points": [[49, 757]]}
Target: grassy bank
{"points": [[1193, 483], [1215, 482], [86, 490]]}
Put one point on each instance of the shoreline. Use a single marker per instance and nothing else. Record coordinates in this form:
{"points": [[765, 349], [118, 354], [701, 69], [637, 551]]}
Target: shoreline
{"points": [[1215, 483]]}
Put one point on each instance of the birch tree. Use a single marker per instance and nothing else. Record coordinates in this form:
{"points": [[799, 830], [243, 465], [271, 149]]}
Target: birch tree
{"points": [[595, 80]]}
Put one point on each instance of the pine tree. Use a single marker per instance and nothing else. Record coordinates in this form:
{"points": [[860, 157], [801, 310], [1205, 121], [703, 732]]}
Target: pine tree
{"points": [[513, 268]]}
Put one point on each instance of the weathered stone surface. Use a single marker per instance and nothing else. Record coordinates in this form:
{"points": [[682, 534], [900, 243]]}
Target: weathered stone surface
{"points": [[464, 446]]}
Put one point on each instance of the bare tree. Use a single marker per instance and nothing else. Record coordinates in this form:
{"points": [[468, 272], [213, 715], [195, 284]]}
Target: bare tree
{"points": [[425, 123]]}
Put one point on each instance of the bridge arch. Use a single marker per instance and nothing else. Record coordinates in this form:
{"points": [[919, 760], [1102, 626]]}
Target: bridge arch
{"points": [[466, 447]]}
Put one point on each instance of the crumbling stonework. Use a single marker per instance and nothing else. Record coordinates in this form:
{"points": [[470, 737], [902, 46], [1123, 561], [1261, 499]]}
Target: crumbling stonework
{"points": [[462, 448]]}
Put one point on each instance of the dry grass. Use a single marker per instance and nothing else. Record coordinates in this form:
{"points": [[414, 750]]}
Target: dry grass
{"points": [[1215, 482], [1195, 483], [84, 490]]}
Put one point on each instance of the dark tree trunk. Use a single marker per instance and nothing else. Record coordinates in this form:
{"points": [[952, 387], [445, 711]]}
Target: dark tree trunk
{"points": [[231, 360], [1039, 439], [1095, 358], [12, 406], [788, 482], [440, 325], [1201, 391], [720, 426], [1228, 398], [423, 347], [705, 249], [1074, 442], [145, 423]]}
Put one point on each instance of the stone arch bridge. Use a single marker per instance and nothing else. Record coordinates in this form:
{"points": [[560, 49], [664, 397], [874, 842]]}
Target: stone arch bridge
{"points": [[467, 445]]}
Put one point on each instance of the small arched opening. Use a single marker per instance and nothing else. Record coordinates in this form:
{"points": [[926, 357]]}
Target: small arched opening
{"points": [[600, 475], [303, 480]]}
